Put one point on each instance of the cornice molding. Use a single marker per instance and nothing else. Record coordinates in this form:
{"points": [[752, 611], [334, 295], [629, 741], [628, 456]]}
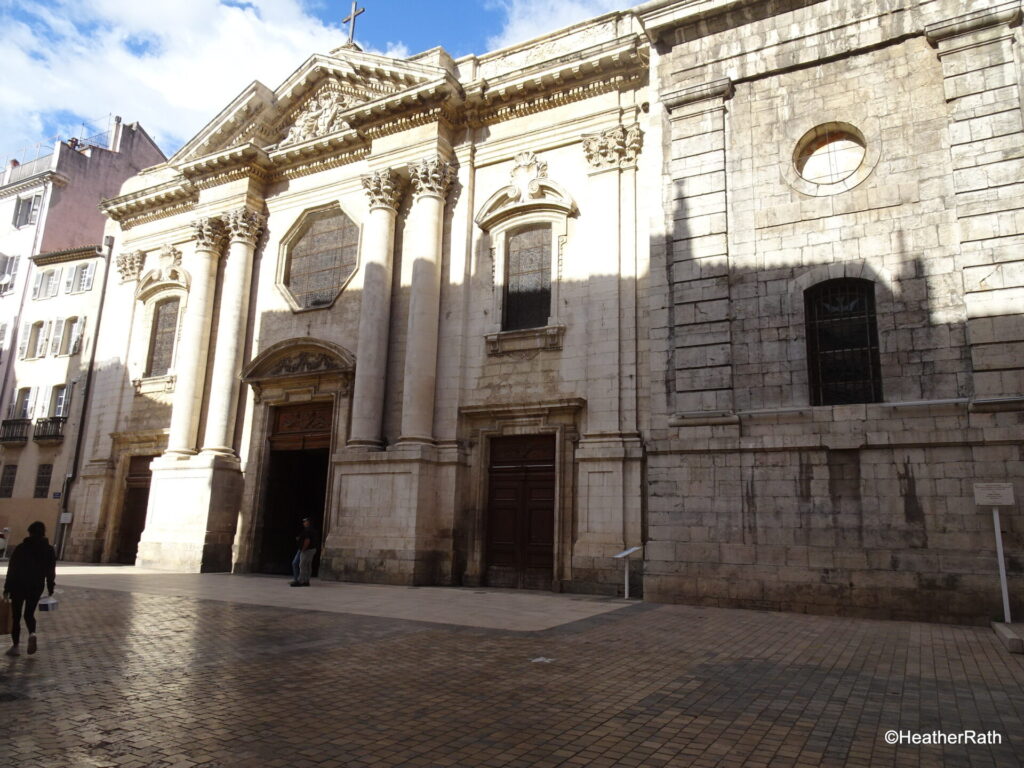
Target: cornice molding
{"points": [[56, 178], [69, 254]]}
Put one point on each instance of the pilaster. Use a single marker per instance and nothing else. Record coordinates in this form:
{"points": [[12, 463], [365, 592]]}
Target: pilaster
{"points": [[980, 58]]}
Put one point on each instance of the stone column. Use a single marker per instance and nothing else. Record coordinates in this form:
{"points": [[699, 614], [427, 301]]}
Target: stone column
{"points": [[384, 190], [430, 181], [244, 227], [194, 342]]}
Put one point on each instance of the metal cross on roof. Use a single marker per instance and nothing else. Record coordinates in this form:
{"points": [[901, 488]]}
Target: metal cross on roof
{"points": [[351, 20]]}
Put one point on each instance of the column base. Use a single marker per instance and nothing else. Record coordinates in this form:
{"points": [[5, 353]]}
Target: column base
{"points": [[365, 445]]}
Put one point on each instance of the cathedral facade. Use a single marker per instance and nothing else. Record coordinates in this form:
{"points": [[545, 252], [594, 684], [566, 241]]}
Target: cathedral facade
{"points": [[734, 283]]}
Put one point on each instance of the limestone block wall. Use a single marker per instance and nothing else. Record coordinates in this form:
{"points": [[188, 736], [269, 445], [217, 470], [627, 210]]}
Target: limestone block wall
{"points": [[755, 497]]}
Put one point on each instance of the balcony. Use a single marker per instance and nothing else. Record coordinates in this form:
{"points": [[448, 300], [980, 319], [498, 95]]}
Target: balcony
{"points": [[14, 430], [49, 430]]}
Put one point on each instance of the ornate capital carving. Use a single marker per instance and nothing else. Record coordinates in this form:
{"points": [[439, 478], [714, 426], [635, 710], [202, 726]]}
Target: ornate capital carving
{"points": [[130, 265], [384, 188], [209, 233], [431, 177], [244, 225], [615, 148]]}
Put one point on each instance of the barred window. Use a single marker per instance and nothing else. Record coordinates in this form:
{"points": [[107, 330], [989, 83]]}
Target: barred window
{"points": [[7, 480], [43, 475], [527, 301], [161, 342], [842, 342], [321, 258]]}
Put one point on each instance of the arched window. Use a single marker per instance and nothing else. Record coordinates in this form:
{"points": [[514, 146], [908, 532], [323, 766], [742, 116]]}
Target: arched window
{"points": [[161, 339], [842, 342], [527, 299]]}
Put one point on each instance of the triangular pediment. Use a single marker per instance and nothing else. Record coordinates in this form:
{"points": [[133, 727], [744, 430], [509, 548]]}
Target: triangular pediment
{"points": [[310, 104]]}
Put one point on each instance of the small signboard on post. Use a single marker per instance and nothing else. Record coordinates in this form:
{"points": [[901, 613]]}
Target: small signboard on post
{"points": [[997, 495], [624, 556]]}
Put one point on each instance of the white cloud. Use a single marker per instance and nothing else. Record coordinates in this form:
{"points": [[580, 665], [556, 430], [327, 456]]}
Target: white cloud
{"points": [[527, 19], [171, 66]]}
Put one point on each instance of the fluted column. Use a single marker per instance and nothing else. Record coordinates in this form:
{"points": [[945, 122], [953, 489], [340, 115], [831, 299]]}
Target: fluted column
{"points": [[384, 191], [430, 181], [194, 343], [243, 228]]}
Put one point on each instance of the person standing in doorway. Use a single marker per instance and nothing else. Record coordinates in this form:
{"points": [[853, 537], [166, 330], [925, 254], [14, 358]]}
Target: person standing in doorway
{"points": [[302, 563], [33, 565]]}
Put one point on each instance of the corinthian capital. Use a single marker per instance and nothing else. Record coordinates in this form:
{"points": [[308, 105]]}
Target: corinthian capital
{"points": [[615, 148], [431, 177], [208, 233], [130, 264], [384, 188], [244, 225]]}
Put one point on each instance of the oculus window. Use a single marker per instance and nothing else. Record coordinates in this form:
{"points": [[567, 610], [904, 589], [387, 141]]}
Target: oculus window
{"points": [[842, 342], [320, 256]]}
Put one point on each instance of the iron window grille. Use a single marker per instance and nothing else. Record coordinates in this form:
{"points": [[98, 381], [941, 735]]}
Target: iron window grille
{"points": [[842, 342]]}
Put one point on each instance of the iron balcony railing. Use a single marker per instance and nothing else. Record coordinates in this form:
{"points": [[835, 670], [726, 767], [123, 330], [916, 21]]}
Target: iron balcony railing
{"points": [[14, 430], [49, 430]]}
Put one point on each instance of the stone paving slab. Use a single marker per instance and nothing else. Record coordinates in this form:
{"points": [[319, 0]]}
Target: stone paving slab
{"points": [[486, 608], [141, 680]]}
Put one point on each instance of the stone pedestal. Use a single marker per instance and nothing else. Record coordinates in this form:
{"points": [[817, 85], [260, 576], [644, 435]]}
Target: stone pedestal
{"points": [[193, 510]]}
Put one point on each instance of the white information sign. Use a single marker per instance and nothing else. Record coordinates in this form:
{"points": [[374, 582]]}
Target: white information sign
{"points": [[993, 494]]}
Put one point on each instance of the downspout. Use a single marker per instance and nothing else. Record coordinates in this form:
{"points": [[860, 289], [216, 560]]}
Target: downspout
{"points": [[72, 475]]}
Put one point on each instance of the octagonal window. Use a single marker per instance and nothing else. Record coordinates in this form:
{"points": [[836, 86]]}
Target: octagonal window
{"points": [[320, 256]]}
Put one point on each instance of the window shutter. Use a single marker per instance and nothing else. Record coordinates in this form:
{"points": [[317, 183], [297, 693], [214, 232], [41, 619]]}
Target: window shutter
{"points": [[87, 276], [58, 335], [17, 210], [44, 401], [33, 215], [43, 339], [69, 281], [31, 404], [23, 341], [36, 285], [55, 283], [76, 336]]}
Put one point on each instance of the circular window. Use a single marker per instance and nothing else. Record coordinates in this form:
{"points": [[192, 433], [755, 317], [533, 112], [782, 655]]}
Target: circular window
{"points": [[830, 153]]}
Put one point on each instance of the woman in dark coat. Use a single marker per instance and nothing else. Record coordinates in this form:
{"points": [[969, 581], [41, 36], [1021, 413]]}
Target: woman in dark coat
{"points": [[33, 564]]}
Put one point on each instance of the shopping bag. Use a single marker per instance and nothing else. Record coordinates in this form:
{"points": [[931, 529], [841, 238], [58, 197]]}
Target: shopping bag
{"points": [[48, 604], [6, 616]]}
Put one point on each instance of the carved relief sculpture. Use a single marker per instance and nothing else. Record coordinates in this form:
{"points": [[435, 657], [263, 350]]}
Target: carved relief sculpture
{"points": [[245, 225], [617, 147], [384, 188], [431, 177], [320, 116], [130, 265]]}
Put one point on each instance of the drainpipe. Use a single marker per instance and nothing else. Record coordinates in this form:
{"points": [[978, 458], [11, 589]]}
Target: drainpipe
{"points": [[72, 475]]}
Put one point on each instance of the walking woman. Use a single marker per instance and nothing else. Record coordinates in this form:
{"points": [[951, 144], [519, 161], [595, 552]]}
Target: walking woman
{"points": [[33, 563]]}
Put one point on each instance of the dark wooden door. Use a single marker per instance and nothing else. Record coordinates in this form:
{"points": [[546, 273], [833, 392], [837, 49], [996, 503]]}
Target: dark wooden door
{"points": [[133, 513], [520, 523], [296, 485]]}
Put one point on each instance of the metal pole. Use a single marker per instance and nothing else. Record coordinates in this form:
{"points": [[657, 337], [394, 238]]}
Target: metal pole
{"points": [[626, 561], [1002, 566]]}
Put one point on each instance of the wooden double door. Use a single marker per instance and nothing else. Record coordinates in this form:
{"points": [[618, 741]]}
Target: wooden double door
{"points": [[520, 519]]}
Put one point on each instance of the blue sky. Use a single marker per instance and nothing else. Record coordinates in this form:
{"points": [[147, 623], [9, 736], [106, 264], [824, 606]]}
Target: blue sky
{"points": [[173, 65]]}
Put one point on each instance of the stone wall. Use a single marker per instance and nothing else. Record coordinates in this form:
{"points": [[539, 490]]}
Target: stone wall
{"points": [[757, 498]]}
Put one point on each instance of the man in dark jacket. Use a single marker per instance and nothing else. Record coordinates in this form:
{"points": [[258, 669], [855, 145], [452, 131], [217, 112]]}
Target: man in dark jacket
{"points": [[33, 564]]}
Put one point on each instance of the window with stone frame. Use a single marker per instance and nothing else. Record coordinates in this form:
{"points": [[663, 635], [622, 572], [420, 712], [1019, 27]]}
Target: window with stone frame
{"points": [[80, 278], [321, 256], [26, 210], [10, 472], [22, 404], [43, 476], [59, 401], [47, 284], [8, 271], [842, 342], [162, 337], [527, 287]]}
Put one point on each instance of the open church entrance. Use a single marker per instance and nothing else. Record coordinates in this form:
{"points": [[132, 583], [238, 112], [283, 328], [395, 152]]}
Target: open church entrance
{"points": [[521, 512], [296, 484], [133, 512]]}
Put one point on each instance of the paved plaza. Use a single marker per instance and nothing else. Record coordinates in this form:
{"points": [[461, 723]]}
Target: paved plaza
{"points": [[144, 670]]}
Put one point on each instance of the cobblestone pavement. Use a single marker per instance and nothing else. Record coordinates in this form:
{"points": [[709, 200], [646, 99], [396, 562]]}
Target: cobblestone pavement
{"points": [[132, 680]]}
